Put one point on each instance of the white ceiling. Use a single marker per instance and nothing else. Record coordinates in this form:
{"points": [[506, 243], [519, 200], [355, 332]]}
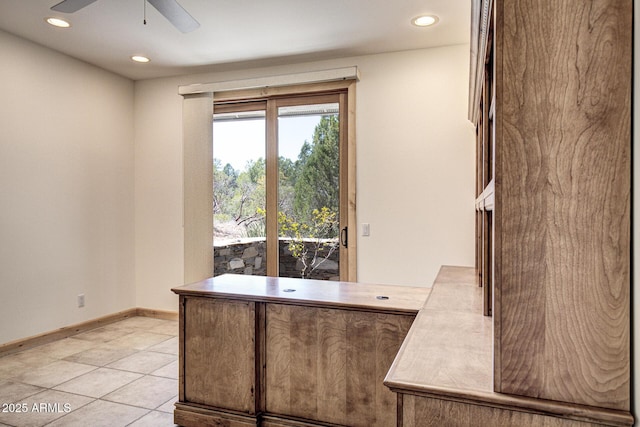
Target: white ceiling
{"points": [[235, 33]]}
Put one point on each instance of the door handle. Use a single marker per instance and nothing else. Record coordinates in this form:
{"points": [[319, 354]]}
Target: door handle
{"points": [[344, 237]]}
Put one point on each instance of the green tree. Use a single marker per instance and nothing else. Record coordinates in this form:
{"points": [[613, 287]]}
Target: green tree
{"points": [[308, 241], [288, 172], [256, 170], [318, 171], [250, 194], [306, 186], [224, 187]]}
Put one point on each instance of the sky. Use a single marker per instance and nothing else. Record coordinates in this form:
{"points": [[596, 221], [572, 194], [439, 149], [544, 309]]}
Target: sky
{"points": [[237, 142]]}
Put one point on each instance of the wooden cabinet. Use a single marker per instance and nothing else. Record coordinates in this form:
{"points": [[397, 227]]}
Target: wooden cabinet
{"points": [[564, 293], [219, 353], [288, 352], [551, 97], [558, 77], [443, 373], [329, 364]]}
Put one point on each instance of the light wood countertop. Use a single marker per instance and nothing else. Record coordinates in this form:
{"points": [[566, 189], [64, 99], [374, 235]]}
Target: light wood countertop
{"points": [[447, 354], [450, 343], [399, 299]]}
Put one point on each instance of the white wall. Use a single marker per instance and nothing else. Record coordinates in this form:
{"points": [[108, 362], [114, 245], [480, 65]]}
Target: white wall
{"points": [[66, 190], [415, 169]]}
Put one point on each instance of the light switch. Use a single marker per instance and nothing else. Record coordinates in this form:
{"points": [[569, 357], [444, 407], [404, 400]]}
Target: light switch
{"points": [[365, 229]]}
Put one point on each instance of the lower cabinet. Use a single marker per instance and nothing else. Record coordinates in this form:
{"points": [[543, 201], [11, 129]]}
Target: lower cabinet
{"points": [[329, 365], [219, 354], [255, 363]]}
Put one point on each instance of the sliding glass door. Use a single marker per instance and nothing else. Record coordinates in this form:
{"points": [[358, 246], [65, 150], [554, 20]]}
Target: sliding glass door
{"points": [[280, 187], [309, 189], [239, 192]]}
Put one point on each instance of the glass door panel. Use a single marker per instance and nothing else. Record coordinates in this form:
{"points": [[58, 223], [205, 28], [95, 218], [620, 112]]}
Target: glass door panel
{"points": [[239, 194], [309, 191]]}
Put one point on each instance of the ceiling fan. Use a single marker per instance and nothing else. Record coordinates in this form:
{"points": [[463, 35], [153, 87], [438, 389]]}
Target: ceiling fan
{"points": [[170, 9]]}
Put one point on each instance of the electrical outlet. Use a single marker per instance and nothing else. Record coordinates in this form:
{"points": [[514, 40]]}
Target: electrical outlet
{"points": [[81, 300]]}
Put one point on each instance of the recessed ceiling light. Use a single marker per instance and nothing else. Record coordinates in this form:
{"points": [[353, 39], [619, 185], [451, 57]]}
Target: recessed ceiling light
{"points": [[424, 20], [139, 58], [57, 22]]}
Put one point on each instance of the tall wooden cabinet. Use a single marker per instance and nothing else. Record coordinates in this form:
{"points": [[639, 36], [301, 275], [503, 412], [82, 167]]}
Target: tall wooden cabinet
{"points": [[551, 97]]}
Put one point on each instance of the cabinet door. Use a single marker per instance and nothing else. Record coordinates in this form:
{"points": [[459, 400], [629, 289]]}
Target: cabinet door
{"points": [[329, 364], [563, 149], [219, 353]]}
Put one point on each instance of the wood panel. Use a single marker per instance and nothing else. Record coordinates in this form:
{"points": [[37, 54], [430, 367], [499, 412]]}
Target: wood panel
{"points": [[219, 353], [192, 416], [425, 412], [329, 364], [563, 200], [269, 421], [157, 314], [272, 177], [352, 218]]}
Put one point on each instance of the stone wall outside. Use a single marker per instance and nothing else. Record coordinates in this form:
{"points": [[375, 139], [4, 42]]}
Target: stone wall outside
{"points": [[248, 256]]}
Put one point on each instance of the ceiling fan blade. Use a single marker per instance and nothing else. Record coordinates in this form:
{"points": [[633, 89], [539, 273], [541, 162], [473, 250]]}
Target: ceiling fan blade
{"points": [[176, 14], [70, 6]]}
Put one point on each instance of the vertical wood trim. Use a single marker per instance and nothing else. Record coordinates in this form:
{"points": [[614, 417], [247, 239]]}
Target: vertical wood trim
{"points": [[487, 167], [273, 266], [351, 184], [400, 411], [478, 216], [344, 186], [261, 345], [479, 25], [498, 47], [197, 134], [181, 326]]}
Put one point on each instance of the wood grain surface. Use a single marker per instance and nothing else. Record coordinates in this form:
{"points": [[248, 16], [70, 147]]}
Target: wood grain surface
{"points": [[354, 296], [419, 412], [270, 421], [190, 415], [447, 357], [328, 364], [563, 200], [219, 354], [449, 344]]}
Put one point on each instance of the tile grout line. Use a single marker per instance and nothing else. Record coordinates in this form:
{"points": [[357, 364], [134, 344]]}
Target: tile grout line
{"points": [[96, 344]]}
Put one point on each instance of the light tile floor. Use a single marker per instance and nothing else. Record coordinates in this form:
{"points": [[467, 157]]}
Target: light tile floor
{"points": [[122, 374]]}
